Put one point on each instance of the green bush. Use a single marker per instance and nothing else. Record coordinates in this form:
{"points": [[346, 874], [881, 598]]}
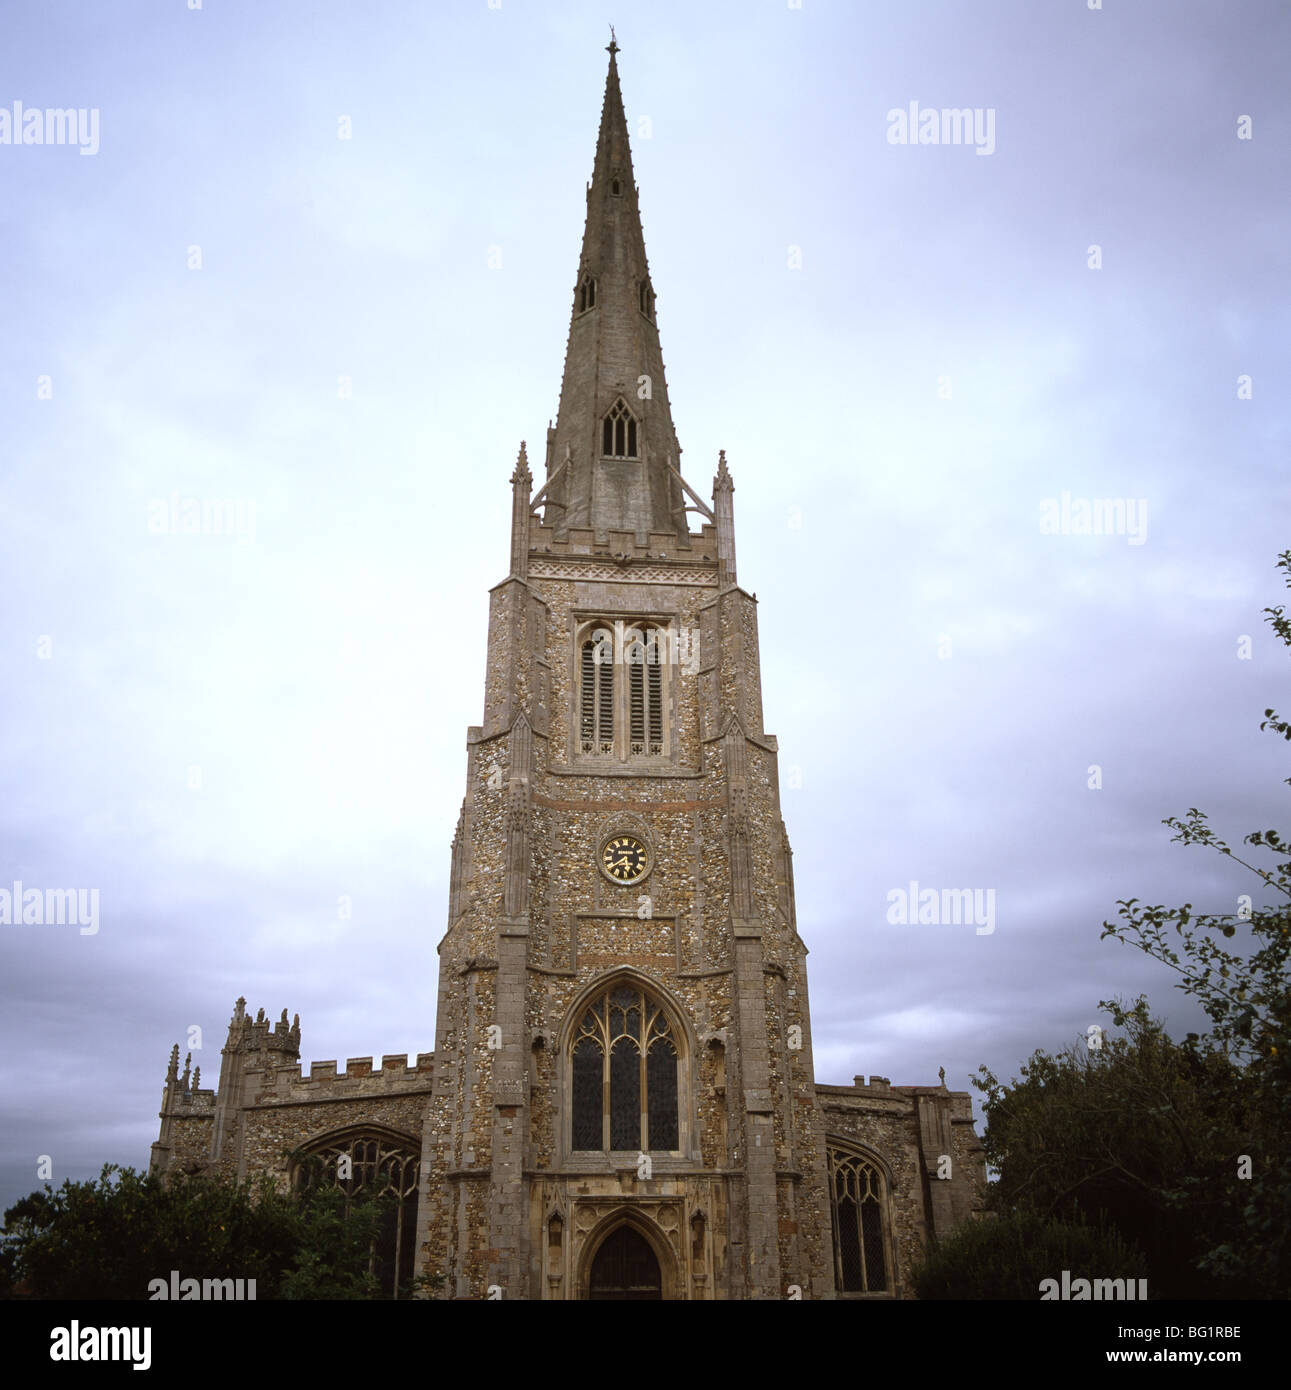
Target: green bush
{"points": [[1009, 1256], [107, 1239]]}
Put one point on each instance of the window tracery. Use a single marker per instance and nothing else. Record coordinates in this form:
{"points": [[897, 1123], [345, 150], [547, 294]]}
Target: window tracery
{"points": [[624, 1075], [856, 1200], [619, 433], [371, 1165]]}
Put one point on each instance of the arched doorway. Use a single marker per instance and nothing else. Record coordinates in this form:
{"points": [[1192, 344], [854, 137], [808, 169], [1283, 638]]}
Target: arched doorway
{"points": [[625, 1267]]}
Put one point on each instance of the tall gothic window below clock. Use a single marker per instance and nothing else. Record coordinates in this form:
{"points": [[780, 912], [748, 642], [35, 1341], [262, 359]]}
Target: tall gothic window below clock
{"points": [[856, 1200], [623, 1076]]}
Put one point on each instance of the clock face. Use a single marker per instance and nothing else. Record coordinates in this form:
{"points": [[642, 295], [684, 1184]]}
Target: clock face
{"points": [[624, 858]]}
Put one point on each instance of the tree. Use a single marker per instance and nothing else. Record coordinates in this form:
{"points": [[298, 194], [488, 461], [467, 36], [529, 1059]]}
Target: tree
{"points": [[1120, 1135], [1180, 1146], [1246, 994], [108, 1239]]}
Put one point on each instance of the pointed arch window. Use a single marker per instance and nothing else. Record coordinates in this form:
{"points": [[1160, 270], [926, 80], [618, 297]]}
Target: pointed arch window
{"points": [[623, 682], [624, 1076], [858, 1204], [647, 299], [596, 728], [586, 294], [619, 433], [371, 1165], [645, 691]]}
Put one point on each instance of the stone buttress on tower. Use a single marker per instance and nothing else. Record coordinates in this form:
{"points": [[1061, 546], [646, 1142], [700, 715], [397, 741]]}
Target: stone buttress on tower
{"points": [[624, 1094]]}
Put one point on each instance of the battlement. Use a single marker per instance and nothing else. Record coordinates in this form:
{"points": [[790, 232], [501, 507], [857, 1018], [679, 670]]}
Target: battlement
{"points": [[661, 545], [396, 1075]]}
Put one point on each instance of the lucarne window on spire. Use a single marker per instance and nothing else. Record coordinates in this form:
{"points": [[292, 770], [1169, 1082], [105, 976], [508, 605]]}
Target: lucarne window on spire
{"points": [[619, 433], [647, 300], [586, 294]]}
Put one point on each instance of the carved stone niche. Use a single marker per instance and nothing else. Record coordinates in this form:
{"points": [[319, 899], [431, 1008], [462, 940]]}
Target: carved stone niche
{"points": [[555, 1252]]}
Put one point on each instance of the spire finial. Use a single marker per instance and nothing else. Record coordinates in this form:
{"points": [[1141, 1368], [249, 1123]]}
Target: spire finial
{"points": [[612, 47]]}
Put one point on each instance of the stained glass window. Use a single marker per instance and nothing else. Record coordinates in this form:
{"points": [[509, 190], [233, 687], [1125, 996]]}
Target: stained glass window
{"points": [[661, 1088], [625, 1095], [624, 1050], [588, 1095]]}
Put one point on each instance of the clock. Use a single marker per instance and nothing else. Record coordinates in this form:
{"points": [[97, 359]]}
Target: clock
{"points": [[624, 859]]}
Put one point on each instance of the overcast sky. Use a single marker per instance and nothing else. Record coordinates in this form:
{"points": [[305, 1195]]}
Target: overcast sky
{"points": [[904, 350]]}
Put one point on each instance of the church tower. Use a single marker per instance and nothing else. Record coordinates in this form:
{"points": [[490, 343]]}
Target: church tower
{"points": [[624, 1102]]}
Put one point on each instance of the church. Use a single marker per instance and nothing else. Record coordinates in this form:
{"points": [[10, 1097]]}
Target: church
{"points": [[621, 1103]]}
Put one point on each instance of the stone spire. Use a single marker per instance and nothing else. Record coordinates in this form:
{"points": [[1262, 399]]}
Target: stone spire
{"points": [[623, 477]]}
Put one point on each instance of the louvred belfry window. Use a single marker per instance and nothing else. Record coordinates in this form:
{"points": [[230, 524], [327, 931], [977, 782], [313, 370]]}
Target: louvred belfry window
{"points": [[645, 692], [856, 1202], [623, 693], [596, 728], [619, 433], [623, 1075]]}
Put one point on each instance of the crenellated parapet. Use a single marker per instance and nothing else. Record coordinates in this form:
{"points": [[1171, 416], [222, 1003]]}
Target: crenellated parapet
{"points": [[361, 1077], [208, 1131]]}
